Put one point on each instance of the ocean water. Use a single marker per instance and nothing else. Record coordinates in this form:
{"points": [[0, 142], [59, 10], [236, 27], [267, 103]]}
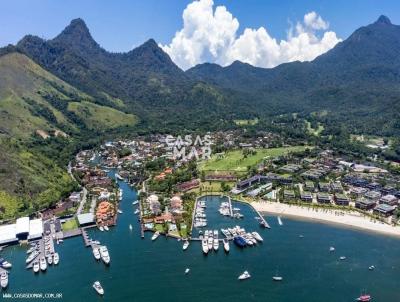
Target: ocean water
{"points": [[142, 270]]}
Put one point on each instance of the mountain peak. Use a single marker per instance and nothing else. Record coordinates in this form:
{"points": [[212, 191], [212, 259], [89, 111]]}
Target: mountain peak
{"points": [[76, 33], [383, 20]]}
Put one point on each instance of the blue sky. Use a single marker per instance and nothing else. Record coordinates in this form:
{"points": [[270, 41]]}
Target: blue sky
{"points": [[121, 25]]}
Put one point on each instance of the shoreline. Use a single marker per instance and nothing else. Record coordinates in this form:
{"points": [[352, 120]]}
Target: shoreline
{"points": [[353, 220]]}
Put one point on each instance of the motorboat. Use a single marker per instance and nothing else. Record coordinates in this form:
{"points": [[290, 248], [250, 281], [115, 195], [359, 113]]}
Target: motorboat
{"points": [[331, 249], [4, 279], [136, 211], [119, 177], [31, 249], [204, 245], [280, 220], [226, 245], [36, 267], [119, 211], [135, 202], [155, 235], [215, 244], [50, 260], [56, 258], [244, 276], [210, 243], [257, 236], [239, 241], [32, 256], [96, 253], [43, 263], [106, 228], [187, 270], [5, 264], [342, 258], [371, 268], [130, 227], [185, 245], [98, 288], [277, 278], [101, 228], [105, 256], [364, 298]]}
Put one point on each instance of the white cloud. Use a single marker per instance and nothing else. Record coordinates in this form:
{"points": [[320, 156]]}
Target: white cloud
{"points": [[211, 35]]}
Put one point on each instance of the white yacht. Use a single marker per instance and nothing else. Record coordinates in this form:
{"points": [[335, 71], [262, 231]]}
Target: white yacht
{"points": [[105, 256], [342, 258], [280, 220], [244, 276], [36, 267], [96, 253], [32, 256], [371, 268], [257, 236], [210, 243], [4, 279], [5, 264], [50, 260], [277, 278], [331, 249], [101, 228], [204, 245], [155, 235], [119, 177], [137, 211], [135, 202], [106, 228], [56, 258], [185, 245], [130, 227], [98, 288], [226, 245], [120, 211], [42, 263], [187, 270]]}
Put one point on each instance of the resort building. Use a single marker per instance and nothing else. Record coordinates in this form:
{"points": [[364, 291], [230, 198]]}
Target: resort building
{"points": [[373, 195], [365, 204], [390, 200], [384, 210], [323, 198], [176, 205], [289, 194], [324, 187], [309, 185], [337, 187], [306, 196], [341, 199]]}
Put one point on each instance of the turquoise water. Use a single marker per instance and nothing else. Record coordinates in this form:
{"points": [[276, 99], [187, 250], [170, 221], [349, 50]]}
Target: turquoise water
{"points": [[142, 270]]}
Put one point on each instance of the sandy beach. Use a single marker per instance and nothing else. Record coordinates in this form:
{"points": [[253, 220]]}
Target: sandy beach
{"points": [[349, 219]]}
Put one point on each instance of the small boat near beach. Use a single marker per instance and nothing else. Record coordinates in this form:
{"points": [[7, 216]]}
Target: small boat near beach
{"points": [[119, 177], [155, 235], [135, 202], [136, 211], [244, 276], [98, 288], [280, 220], [119, 211], [185, 245]]}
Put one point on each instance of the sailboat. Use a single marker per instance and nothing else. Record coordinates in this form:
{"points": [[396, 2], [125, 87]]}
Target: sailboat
{"points": [[280, 220]]}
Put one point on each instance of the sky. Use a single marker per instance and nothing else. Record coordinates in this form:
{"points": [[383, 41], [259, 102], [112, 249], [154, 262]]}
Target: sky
{"points": [[263, 33]]}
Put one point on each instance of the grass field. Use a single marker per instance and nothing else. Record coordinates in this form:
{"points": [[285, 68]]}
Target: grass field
{"points": [[71, 224], [234, 161], [313, 131], [211, 186], [246, 122]]}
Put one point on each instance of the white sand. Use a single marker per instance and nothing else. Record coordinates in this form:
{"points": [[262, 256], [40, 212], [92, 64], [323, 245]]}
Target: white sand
{"points": [[345, 218]]}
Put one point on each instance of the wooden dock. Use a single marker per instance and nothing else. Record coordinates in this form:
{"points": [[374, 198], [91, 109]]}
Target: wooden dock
{"points": [[85, 237], [72, 233], [263, 222]]}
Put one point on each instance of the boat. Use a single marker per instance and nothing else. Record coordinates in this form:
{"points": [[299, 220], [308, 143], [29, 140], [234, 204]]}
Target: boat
{"points": [[42, 263], [5, 264], [106, 228], [257, 236], [155, 235], [187, 270], [105, 256], [371, 268], [130, 227], [135, 202], [210, 243], [136, 211], [119, 177], [56, 258], [239, 241], [331, 249], [280, 220], [96, 253], [185, 245], [216, 244], [32, 256], [50, 260], [204, 245], [301, 236], [31, 249], [342, 258], [244, 276], [119, 211], [277, 278], [4, 279], [226, 245], [98, 288], [36, 267], [364, 298], [101, 228]]}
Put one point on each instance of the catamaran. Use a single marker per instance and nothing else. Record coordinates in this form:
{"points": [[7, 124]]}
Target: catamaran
{"points": [[43, 263], [226, 245], [185, 245], [96, 253], [98, 288], [4, 279], [105, 256], [56, 258], [244, 276]]}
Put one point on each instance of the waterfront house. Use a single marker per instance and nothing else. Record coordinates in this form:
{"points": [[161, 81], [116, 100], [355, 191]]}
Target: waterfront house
{"points": [[306, 196], [389, 200], [309, 185], [341, 199], [154, 204], [323, 198], [337, 187], [365, 204], [384, 210], [289, 194], [324, 187], [373, 195]]}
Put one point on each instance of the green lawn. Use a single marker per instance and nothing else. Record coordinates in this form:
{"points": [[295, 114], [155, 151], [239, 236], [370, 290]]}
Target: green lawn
{"points": [[234, 161], [71, 224]]}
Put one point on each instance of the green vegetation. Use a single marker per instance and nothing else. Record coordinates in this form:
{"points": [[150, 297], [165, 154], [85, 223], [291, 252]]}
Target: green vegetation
{"points": [[251, 122], [71, 224], [314, 131], [238, 162]]}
